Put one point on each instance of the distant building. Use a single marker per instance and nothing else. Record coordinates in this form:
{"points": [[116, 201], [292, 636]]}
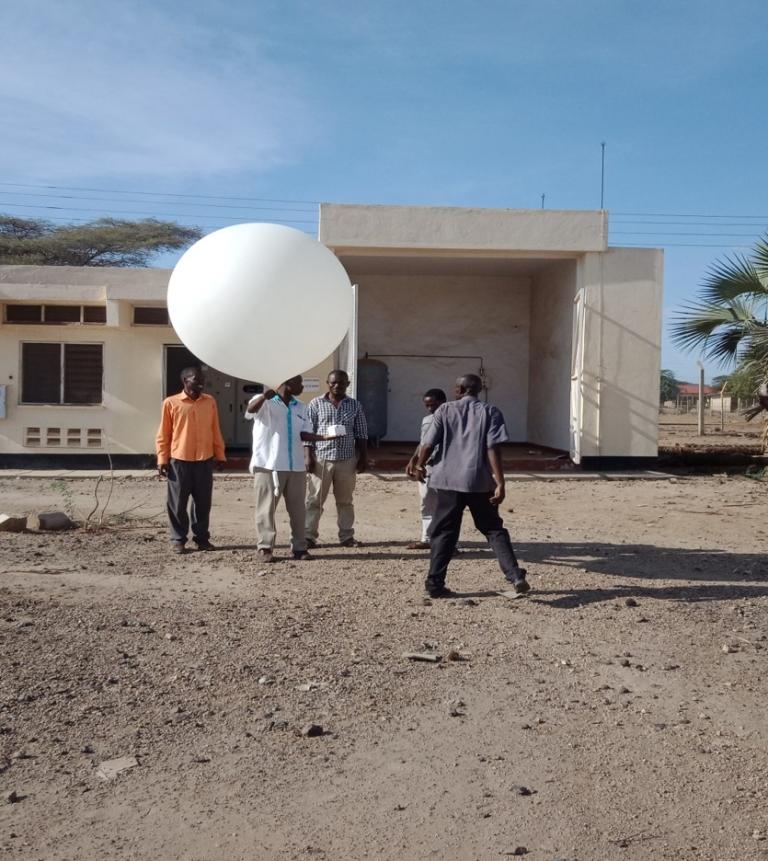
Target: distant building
{"points": [[564, 331]]}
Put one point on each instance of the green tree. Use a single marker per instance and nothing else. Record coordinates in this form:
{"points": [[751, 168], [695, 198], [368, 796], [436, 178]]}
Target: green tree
{"points": [[669, 386], [728, 322], [742, 383], [104, 242]]}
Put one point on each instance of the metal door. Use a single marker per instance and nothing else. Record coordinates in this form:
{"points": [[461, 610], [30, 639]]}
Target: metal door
{"points": [[224, 389], [243, 427]]}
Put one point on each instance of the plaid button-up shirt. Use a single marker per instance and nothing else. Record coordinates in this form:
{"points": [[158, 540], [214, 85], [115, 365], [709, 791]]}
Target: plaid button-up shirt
{"points": [[323, 414]]}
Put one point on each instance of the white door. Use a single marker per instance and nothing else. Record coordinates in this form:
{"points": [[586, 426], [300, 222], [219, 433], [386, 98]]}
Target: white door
{"points": [[577, 375]]}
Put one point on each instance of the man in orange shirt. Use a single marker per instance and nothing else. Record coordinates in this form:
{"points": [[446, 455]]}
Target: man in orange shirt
{"points": [[188, 441]]}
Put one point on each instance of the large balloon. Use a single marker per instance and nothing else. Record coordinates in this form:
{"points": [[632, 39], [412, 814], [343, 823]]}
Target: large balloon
{"points": [[260, 302]]}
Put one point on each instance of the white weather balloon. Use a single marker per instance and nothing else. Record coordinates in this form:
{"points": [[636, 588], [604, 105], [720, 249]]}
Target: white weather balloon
{"points": [[260, 302]]}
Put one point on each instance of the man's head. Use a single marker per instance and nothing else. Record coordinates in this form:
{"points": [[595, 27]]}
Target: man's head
{"points": [[294, 386], [469, 384], [433, 398], [338, 383], [193, 380]]}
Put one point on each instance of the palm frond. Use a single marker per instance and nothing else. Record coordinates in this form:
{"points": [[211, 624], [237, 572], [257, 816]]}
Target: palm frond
{"points": [[760, 258], [718, 330], [730, 278]]}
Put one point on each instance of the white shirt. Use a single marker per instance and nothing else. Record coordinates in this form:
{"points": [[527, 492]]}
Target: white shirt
{"points": [[277, 431]]}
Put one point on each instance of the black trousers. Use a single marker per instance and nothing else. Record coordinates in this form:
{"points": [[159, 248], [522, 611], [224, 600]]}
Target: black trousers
{"points": [[189, 478], [446, 525]]}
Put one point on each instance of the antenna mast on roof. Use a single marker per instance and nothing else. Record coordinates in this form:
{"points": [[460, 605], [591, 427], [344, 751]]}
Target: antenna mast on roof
{"points": [[602, 175]]}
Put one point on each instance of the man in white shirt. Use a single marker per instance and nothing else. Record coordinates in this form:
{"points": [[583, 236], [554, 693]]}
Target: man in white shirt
{"points": [[280, 463]]}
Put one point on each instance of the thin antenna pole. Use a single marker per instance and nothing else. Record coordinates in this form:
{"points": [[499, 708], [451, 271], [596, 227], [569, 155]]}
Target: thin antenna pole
{"points": [[542, 200], [602, 176]]}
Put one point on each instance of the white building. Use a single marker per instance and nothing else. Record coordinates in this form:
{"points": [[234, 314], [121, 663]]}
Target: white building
{"points": [[564, 330]]}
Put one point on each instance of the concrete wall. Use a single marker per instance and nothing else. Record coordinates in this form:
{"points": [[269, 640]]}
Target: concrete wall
{"points": [[622, 350], [472, 316], [532, 231], [549, 385]]}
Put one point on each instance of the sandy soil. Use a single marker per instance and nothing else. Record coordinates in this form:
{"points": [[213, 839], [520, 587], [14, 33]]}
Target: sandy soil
{"points": [[618, 712], [734, 432]]}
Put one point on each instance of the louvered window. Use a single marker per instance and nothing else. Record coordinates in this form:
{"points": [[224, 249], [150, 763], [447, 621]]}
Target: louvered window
{"points": [[61, 373]]}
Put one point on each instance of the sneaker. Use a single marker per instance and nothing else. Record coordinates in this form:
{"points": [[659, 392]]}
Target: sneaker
{"points": [[350, 542], [205, 545], [264, 554], [440, 592], [178, 547], [302, 556], [417, 545], [312, 543]]}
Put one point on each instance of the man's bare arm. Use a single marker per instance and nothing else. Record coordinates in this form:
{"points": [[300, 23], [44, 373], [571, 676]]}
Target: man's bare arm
{"points": [[497, 470]]}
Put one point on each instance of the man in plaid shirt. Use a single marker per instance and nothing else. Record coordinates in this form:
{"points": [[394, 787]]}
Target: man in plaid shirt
{"points": [[336, 461]]}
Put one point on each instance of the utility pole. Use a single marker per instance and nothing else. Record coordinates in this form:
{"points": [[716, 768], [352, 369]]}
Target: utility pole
{"points": [[542, 200]]}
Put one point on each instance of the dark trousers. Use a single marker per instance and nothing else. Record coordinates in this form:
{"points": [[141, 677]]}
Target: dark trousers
{"points": [[446, 525], [189, 478]]}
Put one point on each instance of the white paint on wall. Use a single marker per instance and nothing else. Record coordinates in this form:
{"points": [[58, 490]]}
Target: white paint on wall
{"points": [[622, 351], [532, 231], [480, 316], [552, 293]]}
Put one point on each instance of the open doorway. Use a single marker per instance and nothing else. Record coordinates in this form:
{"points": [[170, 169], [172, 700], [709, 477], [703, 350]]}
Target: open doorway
{"points": [[231, 394]]}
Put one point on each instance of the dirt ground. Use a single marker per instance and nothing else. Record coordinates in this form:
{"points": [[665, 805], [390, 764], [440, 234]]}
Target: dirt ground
{"points": [[731, 431], [616, 713]]}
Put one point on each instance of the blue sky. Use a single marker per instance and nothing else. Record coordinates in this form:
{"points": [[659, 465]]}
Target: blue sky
{"points": [[484, 103]]}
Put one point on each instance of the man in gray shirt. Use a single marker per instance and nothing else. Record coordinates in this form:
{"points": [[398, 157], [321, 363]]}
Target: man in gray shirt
{"points": [[468, 475]]}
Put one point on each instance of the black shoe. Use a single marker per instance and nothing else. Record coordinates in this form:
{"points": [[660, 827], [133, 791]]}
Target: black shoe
{"points": [[205, 545], [519, 583], [350, 542], [302, 556], [440, 592], [312, 544]]}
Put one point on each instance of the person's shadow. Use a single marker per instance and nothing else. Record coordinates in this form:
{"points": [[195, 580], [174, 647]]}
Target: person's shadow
{"points": [[701, 574]]}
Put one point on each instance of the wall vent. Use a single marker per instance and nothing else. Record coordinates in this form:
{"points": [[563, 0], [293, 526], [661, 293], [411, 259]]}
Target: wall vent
{"points": [[60, 437]]}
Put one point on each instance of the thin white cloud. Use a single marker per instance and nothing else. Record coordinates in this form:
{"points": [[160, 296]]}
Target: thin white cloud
{"points": [[90, 89]]}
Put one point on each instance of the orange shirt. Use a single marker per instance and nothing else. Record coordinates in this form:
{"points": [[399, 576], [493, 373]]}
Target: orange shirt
{"points": [[189, 430]]}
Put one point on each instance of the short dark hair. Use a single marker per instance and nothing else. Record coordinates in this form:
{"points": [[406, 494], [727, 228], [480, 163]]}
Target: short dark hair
{"points": [[437, 394], [339, 372], [471, 383], [192, 369]]}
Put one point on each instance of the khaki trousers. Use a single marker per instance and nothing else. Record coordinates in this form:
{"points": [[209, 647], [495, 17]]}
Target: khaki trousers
{"points": [[340, 475], [292, 486]]}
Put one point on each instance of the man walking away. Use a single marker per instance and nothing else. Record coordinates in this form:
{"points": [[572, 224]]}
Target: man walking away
{"points": [[468, 474], [188, 441], [337, 460], [278, 464]]}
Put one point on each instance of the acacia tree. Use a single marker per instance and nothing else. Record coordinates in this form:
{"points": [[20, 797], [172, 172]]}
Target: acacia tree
{"points": [[103, 242]]}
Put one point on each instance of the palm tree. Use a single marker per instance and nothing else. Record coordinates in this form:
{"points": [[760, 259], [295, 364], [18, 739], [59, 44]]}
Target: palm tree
{"points": [[729, 322]]}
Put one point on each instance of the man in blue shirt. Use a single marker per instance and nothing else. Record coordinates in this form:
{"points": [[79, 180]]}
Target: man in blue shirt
{"points": [[469, 474]]}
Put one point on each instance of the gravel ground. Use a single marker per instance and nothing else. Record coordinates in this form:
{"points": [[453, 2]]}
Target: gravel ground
{"points": [[617, 712]]}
